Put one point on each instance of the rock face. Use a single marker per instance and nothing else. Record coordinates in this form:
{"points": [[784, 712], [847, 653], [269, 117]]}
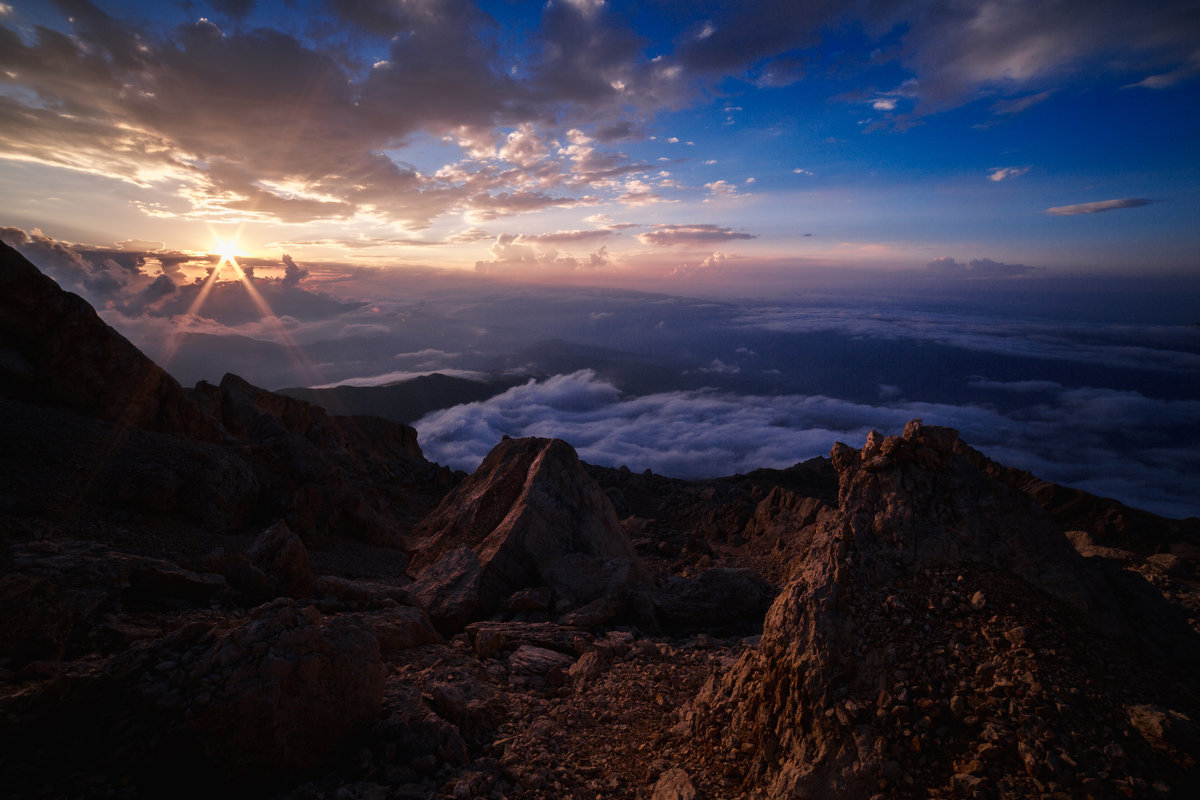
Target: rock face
{"points": [[275, 696], [926, 642], [56, 596], [529, 516]]}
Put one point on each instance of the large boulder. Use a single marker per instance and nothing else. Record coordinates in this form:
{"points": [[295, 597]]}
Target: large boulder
{"points": [[283, 559], [529, 516]]}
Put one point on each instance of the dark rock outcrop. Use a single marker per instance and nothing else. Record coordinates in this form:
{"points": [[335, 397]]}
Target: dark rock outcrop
{"points": [[200, 709], [56, 596], [529, 516], [55, 350]]}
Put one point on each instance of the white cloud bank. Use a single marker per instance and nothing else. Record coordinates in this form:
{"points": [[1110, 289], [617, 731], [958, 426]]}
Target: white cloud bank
{"points": [[694, 434]]}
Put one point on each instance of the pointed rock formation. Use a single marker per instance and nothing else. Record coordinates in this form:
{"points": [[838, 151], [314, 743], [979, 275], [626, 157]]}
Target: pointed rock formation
{"points": [[529, 516], [939, 637], [55, 350]]}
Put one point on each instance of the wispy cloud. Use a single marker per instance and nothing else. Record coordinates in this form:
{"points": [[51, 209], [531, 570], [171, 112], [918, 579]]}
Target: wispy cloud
{"points": [[1098, 206], [666, 235], [1015, 105], [1005, 173]]}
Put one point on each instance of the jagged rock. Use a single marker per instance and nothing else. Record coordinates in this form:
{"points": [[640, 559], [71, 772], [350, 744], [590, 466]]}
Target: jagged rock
{"points": [[286, 689], [1168, 564], [529, 516], [412, 732], [590, 665], [783, 512], [361, 477], [449, 589], [1108, 523], [535, 599], [283, 558], [250, 584], [826, 705], [1086, 546]]}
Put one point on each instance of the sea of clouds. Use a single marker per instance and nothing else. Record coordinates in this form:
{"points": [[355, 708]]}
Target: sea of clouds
{"points": [[1080, 436]]}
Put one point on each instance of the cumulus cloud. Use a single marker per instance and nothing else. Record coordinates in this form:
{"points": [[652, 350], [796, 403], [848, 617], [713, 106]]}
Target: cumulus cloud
{"points": [[694, 434], [103, 276], [722, 190], [669, 235], [711, 263], [293, 273], [538, 252], [1098, 206], [234, 118]]}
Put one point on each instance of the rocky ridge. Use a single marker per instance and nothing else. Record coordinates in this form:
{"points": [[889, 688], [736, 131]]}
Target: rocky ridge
{"points": [[220, 589]]}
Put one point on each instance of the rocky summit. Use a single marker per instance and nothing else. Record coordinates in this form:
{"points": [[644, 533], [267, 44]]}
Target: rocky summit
{"points": [[219, 589]]}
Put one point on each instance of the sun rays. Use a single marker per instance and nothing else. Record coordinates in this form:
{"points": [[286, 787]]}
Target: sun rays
{"points": [[227, 253]]}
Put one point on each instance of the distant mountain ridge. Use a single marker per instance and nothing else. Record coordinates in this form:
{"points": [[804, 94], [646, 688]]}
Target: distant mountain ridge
{"points": [[403, 401]]}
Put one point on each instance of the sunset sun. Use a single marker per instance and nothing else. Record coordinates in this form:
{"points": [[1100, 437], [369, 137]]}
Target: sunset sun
{"points": [[227, 252]]}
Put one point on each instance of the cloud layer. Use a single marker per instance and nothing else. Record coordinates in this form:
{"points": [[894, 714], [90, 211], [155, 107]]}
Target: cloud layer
{"points": [[1080, 437]]}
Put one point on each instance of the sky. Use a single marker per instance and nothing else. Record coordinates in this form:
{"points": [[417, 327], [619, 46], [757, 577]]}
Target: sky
{"points": [[729, 145], [697, 237]]}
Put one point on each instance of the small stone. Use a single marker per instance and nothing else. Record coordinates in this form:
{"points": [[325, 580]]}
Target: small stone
{"points": [[978, 601], [1017, 635]]}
